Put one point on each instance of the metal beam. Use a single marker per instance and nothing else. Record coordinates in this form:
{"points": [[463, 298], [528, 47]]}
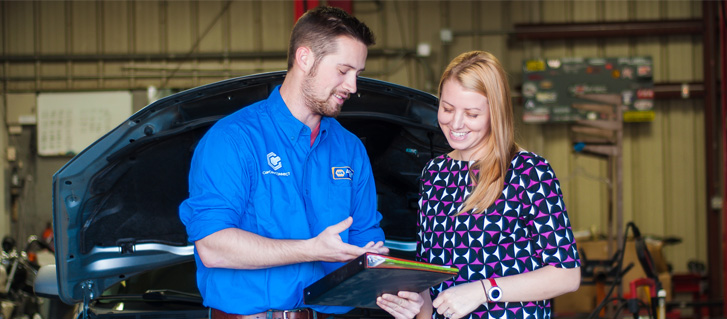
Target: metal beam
{"points": [[711, 138], [551, 31], [668, 90], [662, 91], [30, 58]]}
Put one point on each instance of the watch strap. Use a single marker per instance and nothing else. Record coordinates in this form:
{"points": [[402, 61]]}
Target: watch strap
{"points": [[494, 294]]}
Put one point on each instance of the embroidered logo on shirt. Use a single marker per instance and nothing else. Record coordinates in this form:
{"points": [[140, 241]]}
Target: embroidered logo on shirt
{"points": [[342, 172], [274, 161]]}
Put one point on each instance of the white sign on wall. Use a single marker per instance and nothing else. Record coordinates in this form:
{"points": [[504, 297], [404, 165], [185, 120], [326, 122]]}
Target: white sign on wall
{"points": [[69, 122]]}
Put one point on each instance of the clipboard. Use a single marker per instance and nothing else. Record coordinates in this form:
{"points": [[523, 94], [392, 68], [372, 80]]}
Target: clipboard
{"points": [[359, 282]]}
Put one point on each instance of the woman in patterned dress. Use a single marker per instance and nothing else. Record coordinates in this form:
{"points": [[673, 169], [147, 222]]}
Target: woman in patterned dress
{"points": [[489, 208]]}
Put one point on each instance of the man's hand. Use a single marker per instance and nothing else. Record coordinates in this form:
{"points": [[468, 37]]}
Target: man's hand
{"points": [[328, 245], [377, 248]]}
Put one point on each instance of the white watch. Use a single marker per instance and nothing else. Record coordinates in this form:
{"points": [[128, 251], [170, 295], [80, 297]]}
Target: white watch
{"points": [[494, 293]]}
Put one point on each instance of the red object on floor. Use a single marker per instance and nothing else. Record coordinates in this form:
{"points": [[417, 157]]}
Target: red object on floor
{"points": [[695, 285]]}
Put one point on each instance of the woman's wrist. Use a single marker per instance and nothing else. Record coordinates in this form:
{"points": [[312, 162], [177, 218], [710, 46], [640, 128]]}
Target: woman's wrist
{"points": [[484, 290]]}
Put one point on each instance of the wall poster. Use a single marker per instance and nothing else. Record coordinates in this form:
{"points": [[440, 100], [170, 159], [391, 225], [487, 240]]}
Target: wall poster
{"points": [[69, 122], [550, 87]]}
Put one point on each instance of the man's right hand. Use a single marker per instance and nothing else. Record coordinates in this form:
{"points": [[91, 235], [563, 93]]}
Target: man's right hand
{"points": [[238, 249], [328, 245]]}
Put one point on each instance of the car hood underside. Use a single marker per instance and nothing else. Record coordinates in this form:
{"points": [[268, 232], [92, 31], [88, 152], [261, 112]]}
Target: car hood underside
{"points": [[115, 204]]}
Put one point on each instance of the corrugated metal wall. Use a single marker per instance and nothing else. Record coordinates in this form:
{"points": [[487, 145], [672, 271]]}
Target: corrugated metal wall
{"points": [[90, 45]]}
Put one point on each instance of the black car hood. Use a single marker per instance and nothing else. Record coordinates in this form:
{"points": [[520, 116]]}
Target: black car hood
{"points": [[115, 205]]}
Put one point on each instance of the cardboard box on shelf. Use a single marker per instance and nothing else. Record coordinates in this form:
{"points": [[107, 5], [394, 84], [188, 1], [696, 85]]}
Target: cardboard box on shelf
{"points": [[586, 298]]}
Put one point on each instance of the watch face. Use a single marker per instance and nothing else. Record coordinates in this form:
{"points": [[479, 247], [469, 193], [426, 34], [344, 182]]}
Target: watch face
{"points": [[495, 293]]}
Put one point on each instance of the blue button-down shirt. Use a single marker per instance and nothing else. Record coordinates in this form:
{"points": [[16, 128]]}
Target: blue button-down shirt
{"points": [[256, 170]]}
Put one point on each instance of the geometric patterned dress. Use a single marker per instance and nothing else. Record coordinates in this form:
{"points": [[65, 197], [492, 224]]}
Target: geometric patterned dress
{"points": [[525, 229]]}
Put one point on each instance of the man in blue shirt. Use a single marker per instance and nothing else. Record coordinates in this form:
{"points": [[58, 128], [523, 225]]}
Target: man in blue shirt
{"points": [[280, 193]]}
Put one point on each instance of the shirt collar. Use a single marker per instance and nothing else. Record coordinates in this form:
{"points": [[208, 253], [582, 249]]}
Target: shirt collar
{"points": [[291, 126]]}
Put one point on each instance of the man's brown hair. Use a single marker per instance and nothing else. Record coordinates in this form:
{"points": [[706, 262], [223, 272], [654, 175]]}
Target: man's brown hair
{"points": [[318, 29]]}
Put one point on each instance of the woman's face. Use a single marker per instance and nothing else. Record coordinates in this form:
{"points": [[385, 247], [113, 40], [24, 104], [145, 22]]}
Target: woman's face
{"points": [[464, 117]]}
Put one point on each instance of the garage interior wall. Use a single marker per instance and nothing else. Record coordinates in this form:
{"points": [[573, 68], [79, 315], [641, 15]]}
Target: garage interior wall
{"points": [[133, 45], [5, 187]]}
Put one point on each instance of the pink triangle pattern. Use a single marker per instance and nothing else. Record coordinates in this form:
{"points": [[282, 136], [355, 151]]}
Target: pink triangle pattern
{"points": [[495, 252]]}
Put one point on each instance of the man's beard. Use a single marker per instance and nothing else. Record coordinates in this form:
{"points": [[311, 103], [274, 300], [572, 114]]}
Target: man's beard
{"points": [[317, 106]]}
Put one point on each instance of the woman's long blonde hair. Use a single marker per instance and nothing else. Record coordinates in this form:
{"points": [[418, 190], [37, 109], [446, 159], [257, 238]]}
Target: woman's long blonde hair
{"points": [[481, 72]]}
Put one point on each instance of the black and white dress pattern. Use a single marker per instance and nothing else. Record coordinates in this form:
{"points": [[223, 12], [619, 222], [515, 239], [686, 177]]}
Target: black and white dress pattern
{"points": [[525, 229]]}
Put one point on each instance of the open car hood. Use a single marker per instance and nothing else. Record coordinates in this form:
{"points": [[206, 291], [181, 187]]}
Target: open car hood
{"points": [[115, 205]]}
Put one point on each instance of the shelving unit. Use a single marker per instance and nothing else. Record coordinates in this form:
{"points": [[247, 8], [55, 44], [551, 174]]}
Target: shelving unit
{"points": [[603, 137]]}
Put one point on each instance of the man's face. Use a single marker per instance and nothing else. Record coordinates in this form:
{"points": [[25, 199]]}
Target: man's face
{"points": [[333, 80]]}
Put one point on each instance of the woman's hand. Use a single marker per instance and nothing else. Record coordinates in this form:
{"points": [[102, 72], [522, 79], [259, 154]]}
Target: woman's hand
{"points": [[404, 305], [458, 301]]}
